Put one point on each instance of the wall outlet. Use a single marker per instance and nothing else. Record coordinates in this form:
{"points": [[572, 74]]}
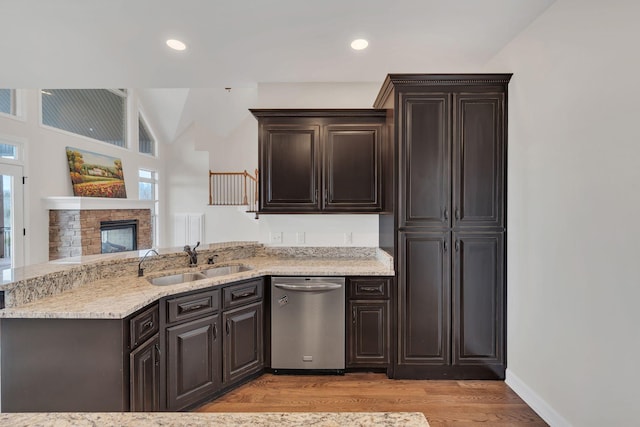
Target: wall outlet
{"points": [[348, 238], [300, 237], [276, 237]]}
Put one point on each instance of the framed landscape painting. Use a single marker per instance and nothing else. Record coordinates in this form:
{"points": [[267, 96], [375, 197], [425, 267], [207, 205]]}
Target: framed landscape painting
{"points": [[95, 175]]}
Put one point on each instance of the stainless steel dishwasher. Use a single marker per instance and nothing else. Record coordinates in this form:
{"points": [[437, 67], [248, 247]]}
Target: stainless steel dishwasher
{"points": [[307, 324]]}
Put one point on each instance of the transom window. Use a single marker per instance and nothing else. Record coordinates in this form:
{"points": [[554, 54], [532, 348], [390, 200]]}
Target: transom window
{"points": [[95, 113]]}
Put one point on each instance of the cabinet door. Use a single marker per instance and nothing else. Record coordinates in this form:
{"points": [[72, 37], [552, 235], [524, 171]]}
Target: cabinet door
{"points": [[352, 165], [479, 300], [289, 168], [243, 342], [424, 264], [425, 160], [479, 161], [144, 366], [368, 333], [193, 361]]}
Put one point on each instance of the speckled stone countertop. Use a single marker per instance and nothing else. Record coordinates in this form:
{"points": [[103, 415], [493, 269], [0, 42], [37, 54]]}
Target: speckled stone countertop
{"points": [[115, 296], [320, 419]]}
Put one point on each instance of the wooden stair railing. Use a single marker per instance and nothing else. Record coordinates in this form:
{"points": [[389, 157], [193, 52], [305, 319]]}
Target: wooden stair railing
{"points": [[234, 189]]}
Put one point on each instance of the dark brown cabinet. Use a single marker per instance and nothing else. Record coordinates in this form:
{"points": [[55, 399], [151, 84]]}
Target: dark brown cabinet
{"points": [[193, 361], [368, 322], [144, 374], [316, 161], [449, 223], [243, 346], [424, 278]]}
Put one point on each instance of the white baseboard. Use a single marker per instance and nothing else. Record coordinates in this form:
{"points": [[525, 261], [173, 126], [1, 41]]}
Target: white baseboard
{"points": [[538, 404]]}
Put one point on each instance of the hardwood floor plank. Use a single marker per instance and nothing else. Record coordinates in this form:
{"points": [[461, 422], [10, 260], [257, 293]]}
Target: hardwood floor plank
{"points": [[444, 403]]}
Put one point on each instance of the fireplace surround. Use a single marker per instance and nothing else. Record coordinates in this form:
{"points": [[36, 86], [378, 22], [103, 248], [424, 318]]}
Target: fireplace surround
{"points": [[76, 232]]}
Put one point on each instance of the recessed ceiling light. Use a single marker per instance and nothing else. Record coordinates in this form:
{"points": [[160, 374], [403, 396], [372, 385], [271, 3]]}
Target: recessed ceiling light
{"points": [[359, 44], [176, 44]]}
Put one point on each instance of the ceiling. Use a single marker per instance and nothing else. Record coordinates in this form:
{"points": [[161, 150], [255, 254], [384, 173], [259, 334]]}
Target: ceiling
{"points": [[240, 43]]}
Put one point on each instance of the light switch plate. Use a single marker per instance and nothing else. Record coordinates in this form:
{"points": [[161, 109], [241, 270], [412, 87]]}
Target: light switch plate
{"points": [[300, 237]]}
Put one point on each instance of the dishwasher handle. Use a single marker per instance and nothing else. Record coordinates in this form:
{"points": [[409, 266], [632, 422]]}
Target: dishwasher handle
{"points": [[308, 288]]}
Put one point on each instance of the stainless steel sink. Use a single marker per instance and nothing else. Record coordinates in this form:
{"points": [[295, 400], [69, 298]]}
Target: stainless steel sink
{"points": [[175, 279], [223, 271]]}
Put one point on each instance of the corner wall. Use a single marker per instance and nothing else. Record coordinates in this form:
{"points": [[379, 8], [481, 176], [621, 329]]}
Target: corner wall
{"points": [[573, 202]]}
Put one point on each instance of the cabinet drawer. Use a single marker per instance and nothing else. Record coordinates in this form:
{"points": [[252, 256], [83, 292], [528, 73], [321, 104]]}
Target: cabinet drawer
{"points": [[193, 306], [242, 293], [143, 326], [369, 287]]}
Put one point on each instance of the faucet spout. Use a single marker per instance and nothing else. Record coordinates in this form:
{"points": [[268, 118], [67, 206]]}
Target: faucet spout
{"points": [[193, 254], [140, 269]]}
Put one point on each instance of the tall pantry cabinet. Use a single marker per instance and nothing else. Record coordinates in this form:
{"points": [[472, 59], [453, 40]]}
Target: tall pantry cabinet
{"points": [[447, 227]]}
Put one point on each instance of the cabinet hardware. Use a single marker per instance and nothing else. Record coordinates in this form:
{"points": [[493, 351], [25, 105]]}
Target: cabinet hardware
{"points": [[215, 332], [147, 325], [228, 326], [445, 246], [193, 307], [242, 294], [446, 214], [457, 213], [370, 289], [457, 245], [158, 354], [353, 315]]}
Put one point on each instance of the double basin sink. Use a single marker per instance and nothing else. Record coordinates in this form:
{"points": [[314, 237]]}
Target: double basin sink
{"points": [[176, 279]]}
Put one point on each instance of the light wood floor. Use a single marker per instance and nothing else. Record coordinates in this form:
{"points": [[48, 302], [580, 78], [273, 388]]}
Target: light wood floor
{"points": [[444, 403]]}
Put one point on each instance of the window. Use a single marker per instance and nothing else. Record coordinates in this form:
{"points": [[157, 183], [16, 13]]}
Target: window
{"points": [[8, 102], [10, 150], [146, 143], [148, 190], [95, 113]]}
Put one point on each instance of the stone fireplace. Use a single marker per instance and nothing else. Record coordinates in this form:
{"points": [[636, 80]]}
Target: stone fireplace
{"points": [[75, 230]]}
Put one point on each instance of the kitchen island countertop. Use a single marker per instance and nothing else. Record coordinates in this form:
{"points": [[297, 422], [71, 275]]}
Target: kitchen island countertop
{"points": [[182, 419]]}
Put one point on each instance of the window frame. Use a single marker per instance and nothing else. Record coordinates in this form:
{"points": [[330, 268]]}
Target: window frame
{"points": [[127, 131], [155, 217], [18, 105], [143, 117]]}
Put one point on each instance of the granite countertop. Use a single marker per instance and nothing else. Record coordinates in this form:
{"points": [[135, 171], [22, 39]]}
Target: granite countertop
{"points": [[118, 297], [181, 419]]}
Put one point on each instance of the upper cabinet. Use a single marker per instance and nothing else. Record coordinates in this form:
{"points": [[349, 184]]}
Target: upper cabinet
{"points": [[452, 155], [321, 161]]}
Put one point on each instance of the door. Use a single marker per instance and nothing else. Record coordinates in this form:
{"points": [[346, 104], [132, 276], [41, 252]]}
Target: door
{"points": [[352, 168], [289, 160], [479, 161], [193, 361], [145, 376], [479, 301], [423, 300], [11, 216], [425, 160], [368, 333], [243, 342]]}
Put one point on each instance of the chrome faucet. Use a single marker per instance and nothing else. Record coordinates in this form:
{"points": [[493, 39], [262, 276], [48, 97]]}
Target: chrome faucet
{"points": [[193, 255], [140, 269]]}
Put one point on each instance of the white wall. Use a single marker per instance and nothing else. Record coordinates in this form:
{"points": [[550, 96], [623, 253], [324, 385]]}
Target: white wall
{"points": [[48, 171], [229, 133], [573, 204]]}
